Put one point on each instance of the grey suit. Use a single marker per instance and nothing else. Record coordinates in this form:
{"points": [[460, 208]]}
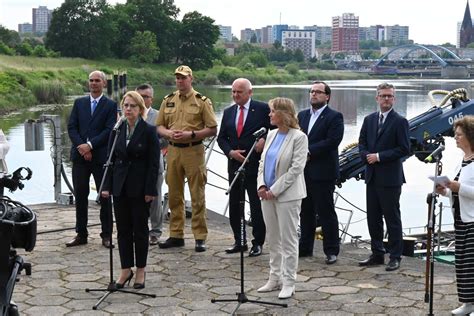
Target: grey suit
{"points": [[156, 207]]}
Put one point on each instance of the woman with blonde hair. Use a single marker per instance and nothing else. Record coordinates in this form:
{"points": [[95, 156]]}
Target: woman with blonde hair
{"points": [[132, 183], [281, 187]]}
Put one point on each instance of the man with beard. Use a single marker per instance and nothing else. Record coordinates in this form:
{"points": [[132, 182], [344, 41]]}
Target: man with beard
{"points": [[325, 129]]}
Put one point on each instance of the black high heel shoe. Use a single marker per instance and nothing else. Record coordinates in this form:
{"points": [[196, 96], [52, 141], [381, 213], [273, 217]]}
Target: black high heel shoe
{"points": [[140, 285], [121, 285]]}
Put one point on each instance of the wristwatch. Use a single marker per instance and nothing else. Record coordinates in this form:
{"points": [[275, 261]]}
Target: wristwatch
{"points": [[193, 135]]}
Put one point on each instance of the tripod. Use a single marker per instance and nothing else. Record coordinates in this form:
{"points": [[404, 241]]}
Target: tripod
{"points": [[111, 288], [241, 296], [429, 275]]}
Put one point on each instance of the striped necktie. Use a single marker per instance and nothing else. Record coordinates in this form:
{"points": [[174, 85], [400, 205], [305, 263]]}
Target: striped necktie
{"points": [[379, 128]]}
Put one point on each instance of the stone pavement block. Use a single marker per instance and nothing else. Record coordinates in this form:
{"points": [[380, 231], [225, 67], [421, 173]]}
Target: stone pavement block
{"points": [[185, 281]]}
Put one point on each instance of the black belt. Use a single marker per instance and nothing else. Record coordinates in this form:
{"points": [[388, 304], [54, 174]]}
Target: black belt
{"points": [[181, 145]]}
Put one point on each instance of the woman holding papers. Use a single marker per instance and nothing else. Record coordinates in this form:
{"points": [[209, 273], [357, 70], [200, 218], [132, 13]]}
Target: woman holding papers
{"points": [[461, 193]]}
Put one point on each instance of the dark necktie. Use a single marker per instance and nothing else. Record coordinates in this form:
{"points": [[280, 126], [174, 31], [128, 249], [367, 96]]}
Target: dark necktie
{"points": [[379, 129], [240, 122], [94, 105]]}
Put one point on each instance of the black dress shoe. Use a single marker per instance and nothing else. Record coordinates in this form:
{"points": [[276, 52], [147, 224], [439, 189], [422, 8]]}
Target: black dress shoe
{"points": [[255, 251], [372, 261], [302, 254], [106, 242], [200, 245], [138, 286], [393, 265], [76, 241], [171, 242], [236, 248], [127, 280], [331, 259]]}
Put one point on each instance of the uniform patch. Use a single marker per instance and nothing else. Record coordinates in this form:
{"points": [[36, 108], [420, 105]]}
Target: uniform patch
{"points": [[170, 105]]}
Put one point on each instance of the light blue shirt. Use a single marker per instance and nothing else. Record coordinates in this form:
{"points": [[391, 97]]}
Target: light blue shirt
{"points": [[271, 158], [314, 116]]}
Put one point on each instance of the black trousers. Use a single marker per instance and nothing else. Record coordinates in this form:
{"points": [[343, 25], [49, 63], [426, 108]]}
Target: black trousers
{"points": [[384, 203], [258, 224], [319, 202], [131, 219], [81, 173]]}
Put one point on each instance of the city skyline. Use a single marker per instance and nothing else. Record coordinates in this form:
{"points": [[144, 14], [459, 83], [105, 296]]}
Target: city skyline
{"points": [[429, 21]]}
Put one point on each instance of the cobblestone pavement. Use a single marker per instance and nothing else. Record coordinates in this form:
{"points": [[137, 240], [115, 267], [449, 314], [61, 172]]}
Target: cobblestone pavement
{"points": [[185, 281]]}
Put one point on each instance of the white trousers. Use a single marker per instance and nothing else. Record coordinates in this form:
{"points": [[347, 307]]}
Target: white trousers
{"points": [[281, 220]]}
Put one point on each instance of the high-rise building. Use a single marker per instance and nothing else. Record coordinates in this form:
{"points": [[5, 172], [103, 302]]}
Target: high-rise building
{"points": [[396, 33], [25, 28], [246, 35], [364, 33], [345, 33], [266, 35], [41, 19], [376, 33], [305, 40], [277, 30], [225, 33], [466, 35], [323, 33]]}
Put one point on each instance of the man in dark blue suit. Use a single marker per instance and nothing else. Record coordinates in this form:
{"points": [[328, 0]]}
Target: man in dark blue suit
{"points": [[383, 142], [325, 129], [235, 138], [92, 118]]}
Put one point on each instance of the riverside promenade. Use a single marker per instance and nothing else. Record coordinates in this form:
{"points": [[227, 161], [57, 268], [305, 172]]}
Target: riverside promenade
{"points": [[185, 281]]}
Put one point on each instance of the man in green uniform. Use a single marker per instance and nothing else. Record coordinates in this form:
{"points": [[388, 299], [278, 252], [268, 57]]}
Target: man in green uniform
{"points": [[186, 117]]}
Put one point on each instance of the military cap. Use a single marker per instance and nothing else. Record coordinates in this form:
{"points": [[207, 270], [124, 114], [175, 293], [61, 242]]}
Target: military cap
{"points": [[183, 70]]}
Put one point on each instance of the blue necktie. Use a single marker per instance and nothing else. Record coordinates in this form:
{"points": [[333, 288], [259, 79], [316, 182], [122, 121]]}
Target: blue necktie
{"points": [[94, 105]]}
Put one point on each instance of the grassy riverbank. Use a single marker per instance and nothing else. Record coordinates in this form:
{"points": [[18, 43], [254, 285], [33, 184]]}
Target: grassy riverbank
{"points": [[26, 81]]}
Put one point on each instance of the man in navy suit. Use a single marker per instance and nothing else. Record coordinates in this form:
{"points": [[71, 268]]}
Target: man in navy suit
{"points": [[235, 138], [383, 142], [325, 129], [91, 120]]}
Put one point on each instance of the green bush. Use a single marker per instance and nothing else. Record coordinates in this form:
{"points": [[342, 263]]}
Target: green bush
{"points": [[5, 50], [49, 91], [292, 69]]}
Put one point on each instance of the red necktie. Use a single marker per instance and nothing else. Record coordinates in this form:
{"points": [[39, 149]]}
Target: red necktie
{"points": [[240, 122]]}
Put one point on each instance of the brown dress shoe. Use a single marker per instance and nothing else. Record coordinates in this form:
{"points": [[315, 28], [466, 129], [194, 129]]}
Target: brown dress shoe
{"points": [[76, 241]]}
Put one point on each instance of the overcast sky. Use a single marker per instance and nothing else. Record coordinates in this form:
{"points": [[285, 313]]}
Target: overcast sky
{"points": [[430, 21]]}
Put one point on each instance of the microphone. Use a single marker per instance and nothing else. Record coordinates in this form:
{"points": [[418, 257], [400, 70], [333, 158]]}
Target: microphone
{"points": [[260, 132], [119, 123], [435, 153]]}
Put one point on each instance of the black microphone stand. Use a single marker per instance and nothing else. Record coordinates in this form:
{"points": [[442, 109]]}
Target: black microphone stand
{"points": [[240, 175], [111, 288], [429, 275]]}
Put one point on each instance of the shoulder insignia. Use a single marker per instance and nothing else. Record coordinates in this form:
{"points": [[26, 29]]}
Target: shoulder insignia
{"points": [[200, 96], [169, 95]]}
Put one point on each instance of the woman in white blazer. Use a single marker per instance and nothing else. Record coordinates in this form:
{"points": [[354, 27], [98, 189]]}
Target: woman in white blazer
{"points": [[461, 194], [281, 187]]}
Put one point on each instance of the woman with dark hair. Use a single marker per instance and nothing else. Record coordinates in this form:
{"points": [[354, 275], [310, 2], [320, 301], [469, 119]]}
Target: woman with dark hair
{"points": [[132, 183], [281, 187], [461, 193]]}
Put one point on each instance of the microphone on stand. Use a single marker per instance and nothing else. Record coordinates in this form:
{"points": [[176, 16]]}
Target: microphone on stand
{"points": [[259, 133], [119, 123], [435, 153]]}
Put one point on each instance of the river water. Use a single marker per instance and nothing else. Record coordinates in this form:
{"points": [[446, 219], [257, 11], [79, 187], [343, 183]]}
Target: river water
{"points": [[355, 99]]}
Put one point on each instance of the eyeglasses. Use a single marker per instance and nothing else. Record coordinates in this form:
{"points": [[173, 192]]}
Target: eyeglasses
{"points": [[128, 105], [317, 92], [386, 96], [145, 97]]}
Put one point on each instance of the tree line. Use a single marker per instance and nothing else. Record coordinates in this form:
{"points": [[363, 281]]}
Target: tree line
{"points": [[146, 31]]}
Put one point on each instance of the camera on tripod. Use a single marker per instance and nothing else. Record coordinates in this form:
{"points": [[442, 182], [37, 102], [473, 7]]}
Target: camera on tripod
{"points": [[17, 230]]}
